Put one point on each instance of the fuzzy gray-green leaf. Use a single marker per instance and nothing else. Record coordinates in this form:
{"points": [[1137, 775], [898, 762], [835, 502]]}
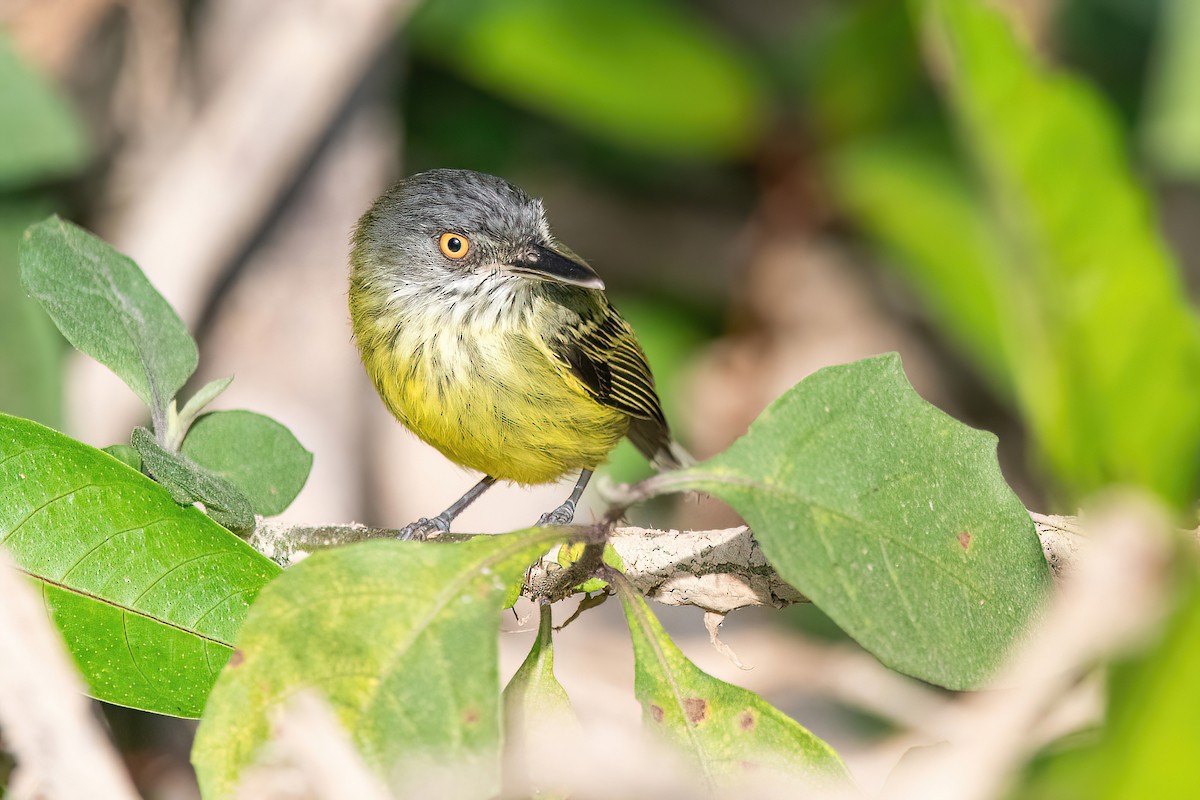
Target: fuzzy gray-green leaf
{"points": [[106, 307], [189, 482], [255, 453], [196, 404]]}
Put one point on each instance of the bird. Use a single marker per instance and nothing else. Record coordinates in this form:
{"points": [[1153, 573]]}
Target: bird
{"points": [[494, 342]]}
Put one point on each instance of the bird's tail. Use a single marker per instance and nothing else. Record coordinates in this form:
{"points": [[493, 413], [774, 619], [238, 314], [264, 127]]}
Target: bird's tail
{"points": [[672, 456]]}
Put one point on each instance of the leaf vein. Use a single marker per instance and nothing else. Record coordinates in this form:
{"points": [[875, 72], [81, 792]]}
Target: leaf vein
{"points": [[222, 601], [124, 610], [133, 659], [46, 504], [896, 582], [169, 572], [106, 540], [20, 453]]}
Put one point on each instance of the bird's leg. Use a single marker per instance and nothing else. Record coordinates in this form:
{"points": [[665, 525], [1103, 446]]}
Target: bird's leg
{"points": [[422, 528], [566, 512]]}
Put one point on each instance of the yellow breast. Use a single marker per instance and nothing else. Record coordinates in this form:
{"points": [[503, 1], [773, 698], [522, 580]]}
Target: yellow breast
{"points": [[487, 393]]}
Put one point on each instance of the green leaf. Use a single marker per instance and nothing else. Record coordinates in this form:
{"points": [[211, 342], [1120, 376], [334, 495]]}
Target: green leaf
{"points": [[890, 516], [648, 74], [125, 454], [255, 453], [189, 482], [729, 732], [535, 706], [534, 694], [858, 66], [31, 350], [183, 420], [1106, 351], [1171, 130], [147, 595], [400, 637], [104, 305], [40, 135]]}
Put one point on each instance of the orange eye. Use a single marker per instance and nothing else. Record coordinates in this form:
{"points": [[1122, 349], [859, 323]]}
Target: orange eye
{"points": [[454, 245]]}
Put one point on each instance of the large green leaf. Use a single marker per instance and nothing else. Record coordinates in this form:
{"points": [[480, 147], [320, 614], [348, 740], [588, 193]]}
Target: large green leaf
{"points": [[890, 516], [400, 637], [147, 595], [256, 454], [31, 351], [646, 73], [729, 733], [104, 305], [1106, 361], [40, 135]]}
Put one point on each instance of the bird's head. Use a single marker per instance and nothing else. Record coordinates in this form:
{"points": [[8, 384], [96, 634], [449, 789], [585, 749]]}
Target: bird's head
{"points": [[436, 226]]}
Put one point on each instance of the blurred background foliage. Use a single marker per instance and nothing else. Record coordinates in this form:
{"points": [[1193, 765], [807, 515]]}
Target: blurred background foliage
{"points": [[998, 195], [42, 140], [1009, 199]]}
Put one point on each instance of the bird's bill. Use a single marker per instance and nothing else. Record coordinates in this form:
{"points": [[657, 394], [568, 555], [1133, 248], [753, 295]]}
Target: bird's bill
{"points": [[548, 265]]}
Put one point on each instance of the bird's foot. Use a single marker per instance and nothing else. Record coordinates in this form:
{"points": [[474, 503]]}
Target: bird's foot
{"points": [[423, 528], [559, 516]]}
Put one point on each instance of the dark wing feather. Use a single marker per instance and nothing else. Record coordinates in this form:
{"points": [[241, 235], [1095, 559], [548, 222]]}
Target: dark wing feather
{"points": [[603, 352]]}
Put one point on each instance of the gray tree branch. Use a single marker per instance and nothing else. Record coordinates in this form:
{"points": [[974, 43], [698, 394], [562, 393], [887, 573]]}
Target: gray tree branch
{"points": [[717, 570]]}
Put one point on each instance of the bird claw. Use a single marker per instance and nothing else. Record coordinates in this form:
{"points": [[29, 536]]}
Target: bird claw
{"points": [[559, 516], [423, 528]]}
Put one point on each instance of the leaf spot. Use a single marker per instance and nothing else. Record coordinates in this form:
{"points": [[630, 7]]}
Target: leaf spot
{"points": [[656, 712], [964, 539], [746, 720], [696, 708], [236, 659], [470, 716]]}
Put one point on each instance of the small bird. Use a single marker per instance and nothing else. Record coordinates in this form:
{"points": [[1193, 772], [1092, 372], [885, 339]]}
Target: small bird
{"points": [[495, 343]]}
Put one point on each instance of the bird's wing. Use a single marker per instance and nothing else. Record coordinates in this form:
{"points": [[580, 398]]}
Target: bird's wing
{"points": [[602, 351]]}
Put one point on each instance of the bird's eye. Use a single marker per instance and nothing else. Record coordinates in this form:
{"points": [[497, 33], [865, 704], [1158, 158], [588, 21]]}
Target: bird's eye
{"points": [[454, 245]]}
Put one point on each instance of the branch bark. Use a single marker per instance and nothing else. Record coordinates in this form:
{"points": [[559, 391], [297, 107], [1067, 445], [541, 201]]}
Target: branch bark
{"points": [[717, 570]]}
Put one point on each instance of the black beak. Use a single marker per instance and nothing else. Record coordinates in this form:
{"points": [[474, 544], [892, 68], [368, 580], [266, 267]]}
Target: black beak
{"points": [[548, 265]]}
